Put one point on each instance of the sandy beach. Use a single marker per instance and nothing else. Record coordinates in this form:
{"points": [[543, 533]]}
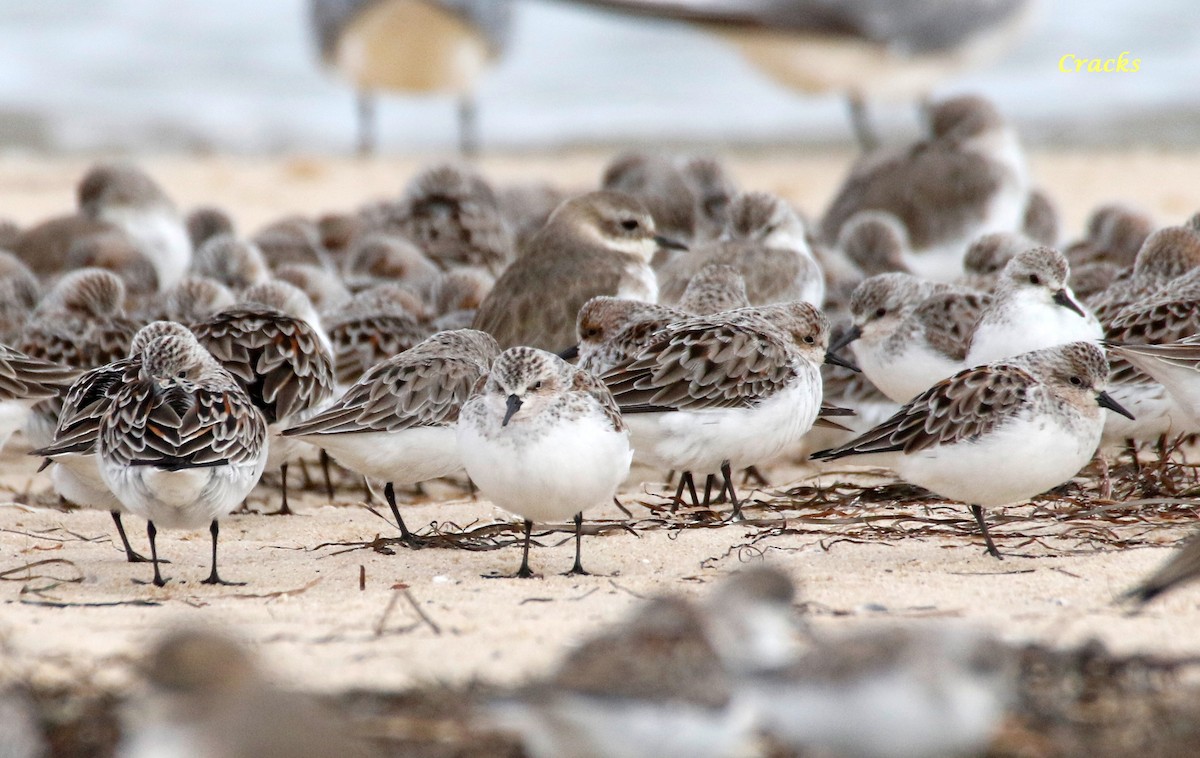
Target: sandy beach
{"points": [[332, 611]]}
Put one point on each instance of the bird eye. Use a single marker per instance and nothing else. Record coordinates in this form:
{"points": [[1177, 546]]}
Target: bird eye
{"points": [[1076, 381], [182, 375], [629, 224], [809, 339], [1034, 279], [880, 312], [536, 386]]}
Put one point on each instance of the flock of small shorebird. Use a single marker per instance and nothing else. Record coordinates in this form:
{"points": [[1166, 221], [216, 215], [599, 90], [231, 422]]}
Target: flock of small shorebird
{"points": [[541, 341]]}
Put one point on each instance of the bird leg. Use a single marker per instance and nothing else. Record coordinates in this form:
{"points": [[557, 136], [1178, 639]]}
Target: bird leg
{"points": [[864, 133], [213, 577], [151, 532], [525, 572], [367, 142], [709, 481], [130, 554], [577, 569], [728, 487], [407, 537], [977, 512], [468, 127], [284, 510], [751, 473], [324, 458]]}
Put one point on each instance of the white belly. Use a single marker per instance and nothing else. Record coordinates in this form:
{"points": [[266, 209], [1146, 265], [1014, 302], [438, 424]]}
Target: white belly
{"points": [[570, 469], [700, 441], [1033, 327], [77, 479], [902, 376], [1023, 459], [185, 499], [406, 457]]}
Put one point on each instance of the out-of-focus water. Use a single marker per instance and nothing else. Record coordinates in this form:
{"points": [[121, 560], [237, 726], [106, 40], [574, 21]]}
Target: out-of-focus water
{"points": [[242, 76]]}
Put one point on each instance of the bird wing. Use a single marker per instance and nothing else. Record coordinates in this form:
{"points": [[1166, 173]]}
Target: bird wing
{"points": [[535, 302], [182, 426], [968, 404], [404, 392], [702, 363], [279, 360]]}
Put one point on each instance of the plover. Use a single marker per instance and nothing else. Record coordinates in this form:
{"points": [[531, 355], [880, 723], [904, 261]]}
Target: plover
{"points": [[596, 244], [123, 195], [1032, 307], [194, 299], [181, 445], [377, 257], [996, 434], [612, 330], [292, 239], [908, 334], [209, 696], [441, 46], [119, 253], [377, 324], [81, 323], [282, 362], [713, 189], [71, 455], [24, 381], [653, 686], [543, 440], [967, 179], [935, 689], [397, 422], [206, 222], [1114, 234], [988, 255], [451, 213], [766, 241], [1151, 373], [875, 242], [713, 392], [233, 262], [20, 292], [1040, 223], [658, 182], [1166, 254], [713, 289], [863, 50]]}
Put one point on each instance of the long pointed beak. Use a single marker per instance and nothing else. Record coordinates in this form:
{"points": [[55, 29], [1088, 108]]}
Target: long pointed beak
{"points": [[570, 353], [834, 359], [845, 339], [1062, 298], [1104, 400], [667, 243], [514, 405]]}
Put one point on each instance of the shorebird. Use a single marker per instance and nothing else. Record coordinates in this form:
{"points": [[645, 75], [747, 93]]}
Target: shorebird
{"points": [[998, 433], [600, 243], [543, 440], [863, 49], [414, 46], [181, 445]]}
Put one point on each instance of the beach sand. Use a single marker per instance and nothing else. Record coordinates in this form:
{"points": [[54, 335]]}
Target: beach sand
{"points": [[330, 617]]}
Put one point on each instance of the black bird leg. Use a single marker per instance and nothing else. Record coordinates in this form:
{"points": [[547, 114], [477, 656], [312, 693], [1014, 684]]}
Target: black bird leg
{"points": [[977, 512], [131, 555], [577, 569], [213, 577], [525, 572]]}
